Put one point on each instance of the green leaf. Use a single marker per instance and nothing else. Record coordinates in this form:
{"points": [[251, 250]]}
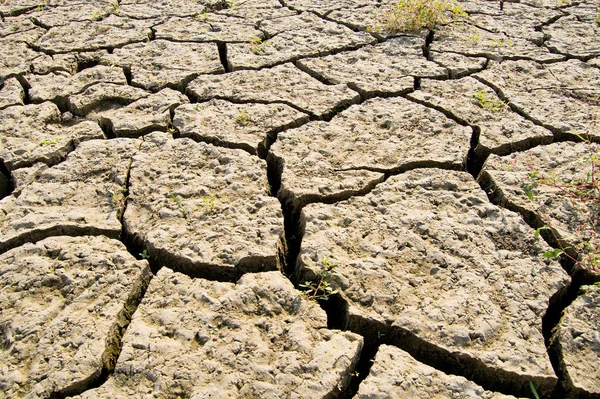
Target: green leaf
{"points": [[553, 254], [534, 390], [539, 230]]}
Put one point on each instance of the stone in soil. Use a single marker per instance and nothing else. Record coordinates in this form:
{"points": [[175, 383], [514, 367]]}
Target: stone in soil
{"points": [[247, 126], [396, 374], [282, 84], [160, 63], [426, 254], [64, 303], [85, 194], [562, 96], [202, 209], [11, 93], [33, 133], [509, 179], [145, 115], [257, 338], [502, 131], [364, 141], [579, 337], [293, 37], [388, 67], [108, 33]]}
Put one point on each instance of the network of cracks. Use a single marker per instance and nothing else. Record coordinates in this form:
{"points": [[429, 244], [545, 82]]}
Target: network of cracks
{"points": [[180, 179]]}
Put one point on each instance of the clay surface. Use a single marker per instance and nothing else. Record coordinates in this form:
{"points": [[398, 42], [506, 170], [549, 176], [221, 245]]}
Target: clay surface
{"points": [[329, 208], [256, 338]]}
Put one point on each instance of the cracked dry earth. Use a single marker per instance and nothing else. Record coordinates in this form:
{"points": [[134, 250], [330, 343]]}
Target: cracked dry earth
{"points": [[172, 173]]}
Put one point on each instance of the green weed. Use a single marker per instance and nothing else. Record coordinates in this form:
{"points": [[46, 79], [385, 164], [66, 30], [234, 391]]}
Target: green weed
{"points": [[184, 212], [242, 119], [50, 141], [413, 15], [257, 45], [492, 105], [321, 289], [581, 195]]}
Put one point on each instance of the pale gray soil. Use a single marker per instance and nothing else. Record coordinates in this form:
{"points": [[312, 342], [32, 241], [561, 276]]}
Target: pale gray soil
{"points": [[182, 182]]}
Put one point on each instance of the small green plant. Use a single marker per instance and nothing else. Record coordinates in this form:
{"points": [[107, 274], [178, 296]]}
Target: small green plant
{"points": [[501, 42], [115, 5], [144, 254], [413, 15], [117, 198], [492, 105], [210, 202], [321, 289], [53, 141], [581, 195], [242, 119], [597, 19], [184, 212], [257, 45], [533, 390]]}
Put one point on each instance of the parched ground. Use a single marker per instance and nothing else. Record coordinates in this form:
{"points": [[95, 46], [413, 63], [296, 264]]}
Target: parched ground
{"points": [[285, 199]]}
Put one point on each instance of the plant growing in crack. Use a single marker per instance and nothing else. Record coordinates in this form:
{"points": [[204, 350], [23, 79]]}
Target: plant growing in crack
{"points": [[581, 195], [117, 198], [53, 141], [320, 289], [258, 45], [413, 15], [243, 119]]}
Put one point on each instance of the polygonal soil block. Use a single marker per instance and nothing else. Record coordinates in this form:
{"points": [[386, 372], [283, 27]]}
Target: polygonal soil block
{"points": [[63, 304], [426, 254], [201, 208], [203, 339]]}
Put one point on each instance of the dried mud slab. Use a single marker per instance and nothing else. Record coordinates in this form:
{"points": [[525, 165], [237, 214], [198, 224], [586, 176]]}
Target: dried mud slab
{"points": [[508, 179], [33, 133], [370, 18], [293, 37], [161, 63], [579, 337], [453, 277], [574, 38], [472, 41], [207, 28], [145, 9], [63, 305], [58, 86], [501, 130], [562, 96], [11, 93], [104, 95], [49, 17], [108, 33], [388, 67], [202, 209], [323, 7], [205, 339], [251, 127], [282, 84], [17, 57], [396, 374], [148, 114], [365, 141], [85, 194], [517, 20], [458, 65]]}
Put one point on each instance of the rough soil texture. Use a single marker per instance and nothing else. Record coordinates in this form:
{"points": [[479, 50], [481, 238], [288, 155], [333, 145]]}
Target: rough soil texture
{"points": [[287, 199]]}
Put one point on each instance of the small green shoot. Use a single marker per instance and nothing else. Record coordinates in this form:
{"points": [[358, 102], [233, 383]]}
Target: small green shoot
{"points": [[184, 212], [144, 254], [321, 289], [493, 105], [533, 390], [257, 45], [50, 141], [242, 119]]}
